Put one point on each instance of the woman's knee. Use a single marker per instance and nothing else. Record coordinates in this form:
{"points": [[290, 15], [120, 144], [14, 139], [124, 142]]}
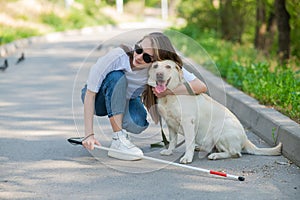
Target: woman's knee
{"points": [[114, 85], [115, 78], [114, 92]]}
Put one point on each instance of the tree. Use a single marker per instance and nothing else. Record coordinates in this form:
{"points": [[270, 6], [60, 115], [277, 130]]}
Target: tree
{"points": [[265, 27], [293, 7], [282, 18], [260, 28], [232, 20]]}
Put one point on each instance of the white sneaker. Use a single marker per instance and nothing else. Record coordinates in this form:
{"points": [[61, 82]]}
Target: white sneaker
{"points": [[122, 143]]}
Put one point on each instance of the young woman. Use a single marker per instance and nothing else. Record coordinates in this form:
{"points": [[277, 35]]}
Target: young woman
{"points": [[114, 88]]}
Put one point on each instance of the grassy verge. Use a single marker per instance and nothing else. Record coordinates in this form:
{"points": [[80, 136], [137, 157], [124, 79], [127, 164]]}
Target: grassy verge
{"points": [[242, 66]]}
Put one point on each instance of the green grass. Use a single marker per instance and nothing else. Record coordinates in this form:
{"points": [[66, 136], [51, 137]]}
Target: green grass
{"points": [[272, 84], [74, 18], [9, 34]]}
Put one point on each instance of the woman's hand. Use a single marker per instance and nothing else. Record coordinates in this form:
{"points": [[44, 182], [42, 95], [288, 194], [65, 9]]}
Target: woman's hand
{"points": [[89, 142]]}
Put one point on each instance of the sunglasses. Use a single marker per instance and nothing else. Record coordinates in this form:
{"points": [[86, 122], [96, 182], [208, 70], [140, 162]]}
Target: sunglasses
{"points": [[146, 57]]}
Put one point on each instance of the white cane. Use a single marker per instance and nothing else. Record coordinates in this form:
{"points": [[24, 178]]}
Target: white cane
{"points": [[234, 177]]}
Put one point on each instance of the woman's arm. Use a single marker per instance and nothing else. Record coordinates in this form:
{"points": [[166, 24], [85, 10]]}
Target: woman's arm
{"points": [[197, 86], [89, 109]]}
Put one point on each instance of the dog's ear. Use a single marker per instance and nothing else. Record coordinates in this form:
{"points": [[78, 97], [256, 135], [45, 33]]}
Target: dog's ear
{"points": [[180, 72], [151, 82]]}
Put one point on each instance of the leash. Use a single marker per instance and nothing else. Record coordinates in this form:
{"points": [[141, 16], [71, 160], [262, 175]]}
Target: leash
{"points": [[165, 141], [188, 88], [164, 138]]}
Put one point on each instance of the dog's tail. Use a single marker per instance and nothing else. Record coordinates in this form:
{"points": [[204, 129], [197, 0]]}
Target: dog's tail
{"points": [[250, 148]]}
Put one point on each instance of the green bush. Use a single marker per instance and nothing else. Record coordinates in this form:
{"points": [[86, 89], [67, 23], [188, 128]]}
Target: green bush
{"points": [[52, 20], [279, 89]]}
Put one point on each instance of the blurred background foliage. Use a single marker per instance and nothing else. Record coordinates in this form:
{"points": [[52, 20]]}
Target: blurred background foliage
{"points": [[254, 43], [249, 48]]}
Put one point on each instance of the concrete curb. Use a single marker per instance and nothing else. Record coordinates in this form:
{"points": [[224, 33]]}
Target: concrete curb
{"points": [[267, 123]]}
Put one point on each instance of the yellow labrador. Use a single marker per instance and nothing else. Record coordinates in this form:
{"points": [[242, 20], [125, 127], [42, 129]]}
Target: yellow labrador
{"points": [[203, 121]]}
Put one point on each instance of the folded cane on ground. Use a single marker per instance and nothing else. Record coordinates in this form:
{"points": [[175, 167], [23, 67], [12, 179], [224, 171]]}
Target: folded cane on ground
{"points": [[78, 141]]}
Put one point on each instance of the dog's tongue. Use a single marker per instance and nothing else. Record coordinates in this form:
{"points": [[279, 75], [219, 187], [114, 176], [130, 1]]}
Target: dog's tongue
{"points": [[160, 87]]}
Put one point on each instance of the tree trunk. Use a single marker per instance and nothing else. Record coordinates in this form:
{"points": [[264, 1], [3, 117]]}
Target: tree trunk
{"points": [[225, 22], [282, 18], [261, 27], [271, 31], [232, 20]]}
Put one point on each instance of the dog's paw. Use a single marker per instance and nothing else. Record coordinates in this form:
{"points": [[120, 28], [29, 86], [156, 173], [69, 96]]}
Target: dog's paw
{"points": [[186, 159], [166, 152], [213, 156]]}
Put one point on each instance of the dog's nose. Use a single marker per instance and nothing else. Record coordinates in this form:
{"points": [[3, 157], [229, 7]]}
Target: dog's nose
{"points": [[159, 76]]}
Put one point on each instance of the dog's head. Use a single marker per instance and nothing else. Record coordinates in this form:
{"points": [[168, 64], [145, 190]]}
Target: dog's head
{"points": [[164, 75]]}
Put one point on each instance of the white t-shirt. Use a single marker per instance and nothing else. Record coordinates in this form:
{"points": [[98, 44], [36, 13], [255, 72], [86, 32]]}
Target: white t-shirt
{"points": [[117, 59]]}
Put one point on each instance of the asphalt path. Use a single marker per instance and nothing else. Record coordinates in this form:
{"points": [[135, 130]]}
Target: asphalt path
{"points": [[40, 108]]}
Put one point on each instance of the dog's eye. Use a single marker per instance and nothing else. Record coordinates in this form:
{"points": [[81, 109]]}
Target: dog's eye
{"points": [[168, 66]]}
